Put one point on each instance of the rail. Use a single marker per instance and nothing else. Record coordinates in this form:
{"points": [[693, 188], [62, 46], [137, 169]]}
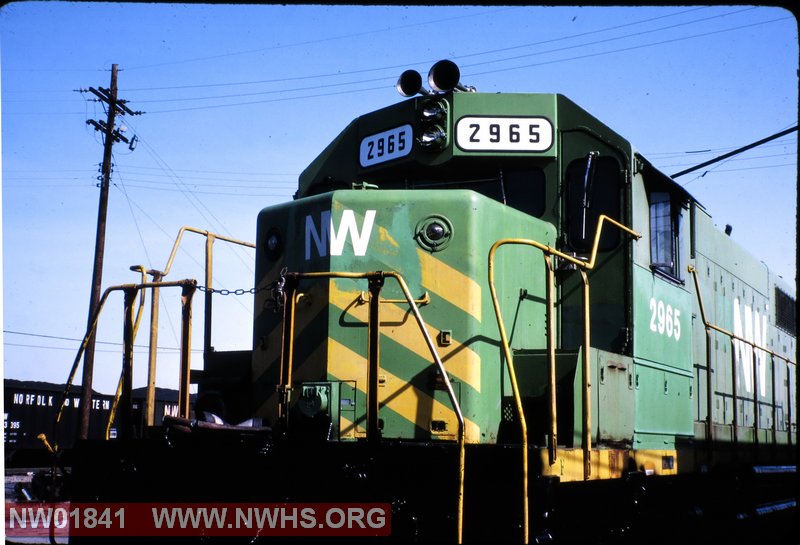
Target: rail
{"points": [[375, 281], [157, 277], [130, 291], [583, 266], [709, 327]]}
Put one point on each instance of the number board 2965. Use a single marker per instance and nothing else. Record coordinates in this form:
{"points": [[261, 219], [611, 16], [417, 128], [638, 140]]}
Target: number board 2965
{"points": [[385, 146], [522, 134]]}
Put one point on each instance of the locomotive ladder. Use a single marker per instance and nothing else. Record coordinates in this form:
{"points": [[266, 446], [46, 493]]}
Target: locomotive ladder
{"points": [[583, 266], [709, 327], [376, 280]]}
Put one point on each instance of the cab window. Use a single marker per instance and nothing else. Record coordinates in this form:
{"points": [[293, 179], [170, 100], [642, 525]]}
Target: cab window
{"points": [[667, 205], [664, 229]]}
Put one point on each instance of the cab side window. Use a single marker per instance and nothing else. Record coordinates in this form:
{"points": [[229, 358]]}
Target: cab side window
{"points": [[666, 232]]}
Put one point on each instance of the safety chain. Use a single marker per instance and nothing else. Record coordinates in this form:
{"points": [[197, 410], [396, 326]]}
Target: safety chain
{"points": [[240, 291], [275, 302]]}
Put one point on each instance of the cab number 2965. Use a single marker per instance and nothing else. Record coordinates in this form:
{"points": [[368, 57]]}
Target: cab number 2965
{"points": [[664, 319]]}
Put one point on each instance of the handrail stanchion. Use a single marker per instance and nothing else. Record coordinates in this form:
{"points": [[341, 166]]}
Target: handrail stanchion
{"points": [[373, 359], [582, 266], [293, 277], [451, 394], [756, 415], [587, 383], [734, 397], [287, 351], [126, 401], [551, 360], [210, 237], [186, 349], [150, 397], [789, 404], [709, 370], [774, 426], [514, 389], [134, 329]]}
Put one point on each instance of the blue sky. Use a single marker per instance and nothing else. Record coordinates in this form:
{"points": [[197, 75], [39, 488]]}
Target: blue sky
{"points": [[239, 99]]}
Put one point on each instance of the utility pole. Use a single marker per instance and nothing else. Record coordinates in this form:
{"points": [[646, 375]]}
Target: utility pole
{"points": [[110, 135]]}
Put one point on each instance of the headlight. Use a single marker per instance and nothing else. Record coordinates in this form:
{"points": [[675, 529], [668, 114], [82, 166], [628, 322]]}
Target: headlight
{"points": [[434, 233], [433, 138]]}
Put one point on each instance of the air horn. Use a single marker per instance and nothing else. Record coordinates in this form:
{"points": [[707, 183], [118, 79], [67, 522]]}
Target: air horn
{"points": [[443, 77]]}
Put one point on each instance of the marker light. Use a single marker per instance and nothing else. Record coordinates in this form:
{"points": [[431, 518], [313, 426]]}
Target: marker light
{"points": [[273, 245]]}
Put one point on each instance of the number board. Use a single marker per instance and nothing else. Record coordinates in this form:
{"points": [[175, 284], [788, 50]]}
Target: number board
{"points": [[523, 134], [385, 146]]}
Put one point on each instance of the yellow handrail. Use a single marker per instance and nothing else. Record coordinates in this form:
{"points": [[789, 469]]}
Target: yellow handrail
{"points": [[733, 337], [725, 331], [434, 354], [157, 276], [118, 393], [583, 266], [207, 234], [90, 331]]}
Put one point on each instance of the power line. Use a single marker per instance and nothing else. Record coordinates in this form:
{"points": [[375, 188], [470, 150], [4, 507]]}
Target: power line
{"points": [[320, 40], [194, 200], [228, 193], [284, 99], [237, 173], [674, 154], [428, 61], [65, 348], [625, 49], [135, 222], [507, 69], [60, 338], [755, 158], [338, 74], [606, 40], [170, 237], [736, 151], [219, 182]]}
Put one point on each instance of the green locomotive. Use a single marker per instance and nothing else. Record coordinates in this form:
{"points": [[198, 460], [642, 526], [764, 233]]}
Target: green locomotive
{"points": [[472, 298]]}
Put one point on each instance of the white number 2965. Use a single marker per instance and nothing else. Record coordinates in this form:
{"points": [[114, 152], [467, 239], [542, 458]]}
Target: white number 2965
{"points": [[664, 319]]}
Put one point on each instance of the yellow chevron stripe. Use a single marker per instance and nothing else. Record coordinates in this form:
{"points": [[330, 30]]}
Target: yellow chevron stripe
{"points": [[450, 284], [396, 323], [409, 402]]}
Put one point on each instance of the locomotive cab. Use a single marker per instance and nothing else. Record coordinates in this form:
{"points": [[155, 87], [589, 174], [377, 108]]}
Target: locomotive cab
{"points": [[424, 188], [440, 189]]}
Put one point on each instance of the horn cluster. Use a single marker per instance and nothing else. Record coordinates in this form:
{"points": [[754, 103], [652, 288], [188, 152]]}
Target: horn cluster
{"points": [[443, 77]]}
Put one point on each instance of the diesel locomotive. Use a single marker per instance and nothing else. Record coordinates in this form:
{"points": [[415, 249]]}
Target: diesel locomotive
{"points": [[491, 312]]}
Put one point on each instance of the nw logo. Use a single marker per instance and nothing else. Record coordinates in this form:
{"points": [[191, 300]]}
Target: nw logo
{"points": [[755, 331], [329, 236]]}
